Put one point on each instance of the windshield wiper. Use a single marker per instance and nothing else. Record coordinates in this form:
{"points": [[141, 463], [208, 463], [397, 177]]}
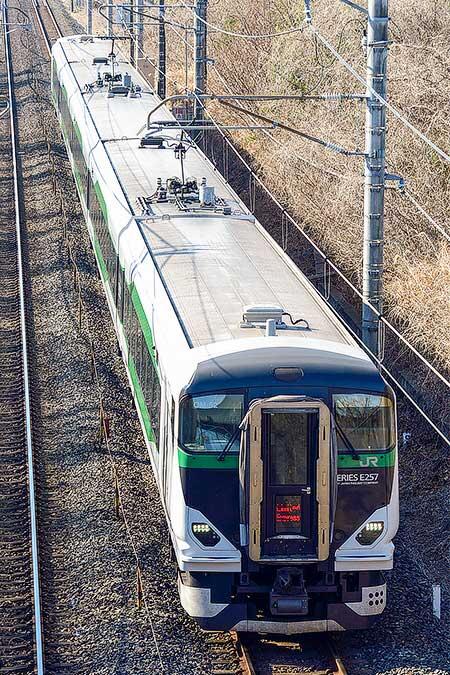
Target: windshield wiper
{"points": [[229, 443], [346, 440]]}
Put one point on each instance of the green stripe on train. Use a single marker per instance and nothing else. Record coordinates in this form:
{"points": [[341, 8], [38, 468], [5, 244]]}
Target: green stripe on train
{"points": [[367, 460], [203, 461], [140, 399], [231, 461]]}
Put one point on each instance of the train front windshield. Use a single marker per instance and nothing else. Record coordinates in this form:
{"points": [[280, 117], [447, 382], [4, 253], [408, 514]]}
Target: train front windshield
{"points": [[209, 423], [364, 422]]}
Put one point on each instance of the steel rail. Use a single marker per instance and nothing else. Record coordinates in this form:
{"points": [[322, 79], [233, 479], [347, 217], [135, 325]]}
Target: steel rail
{"points": [[340, 668], [52, 17], [24, 351], [245, 656], [248, 668], [43, 29]]}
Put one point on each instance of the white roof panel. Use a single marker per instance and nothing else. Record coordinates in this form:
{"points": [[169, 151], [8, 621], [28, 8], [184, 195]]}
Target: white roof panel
{"points": [[213, 265]]}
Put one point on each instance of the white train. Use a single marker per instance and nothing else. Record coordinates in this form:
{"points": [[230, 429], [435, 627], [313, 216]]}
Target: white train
{"points": [[273, 440]]}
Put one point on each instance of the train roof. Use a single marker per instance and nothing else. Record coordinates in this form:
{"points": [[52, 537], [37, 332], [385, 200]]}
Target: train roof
{"points": [[317, 362], [212, 264]]}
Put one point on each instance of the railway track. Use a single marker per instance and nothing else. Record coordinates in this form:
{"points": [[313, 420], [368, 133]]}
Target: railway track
{"points": [[275, 655], [48, 26], [251, 654], [21, 648]]}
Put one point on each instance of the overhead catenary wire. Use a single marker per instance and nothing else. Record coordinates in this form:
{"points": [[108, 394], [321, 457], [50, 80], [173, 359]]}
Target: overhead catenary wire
{"points": [[308, 162], [325, 144], [247, 36], [380, 98], [404, 192], [407, 193], [144, 54], [338, 57]]}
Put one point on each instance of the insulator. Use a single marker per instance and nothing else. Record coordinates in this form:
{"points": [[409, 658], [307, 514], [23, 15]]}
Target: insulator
{"points": [[336, 148]]}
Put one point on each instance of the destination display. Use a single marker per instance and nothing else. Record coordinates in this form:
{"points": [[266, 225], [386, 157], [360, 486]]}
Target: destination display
{"points": [[288, 516]]}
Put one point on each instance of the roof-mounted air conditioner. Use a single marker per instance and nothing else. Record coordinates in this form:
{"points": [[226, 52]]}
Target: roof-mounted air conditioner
{"points": [[256, 316]]}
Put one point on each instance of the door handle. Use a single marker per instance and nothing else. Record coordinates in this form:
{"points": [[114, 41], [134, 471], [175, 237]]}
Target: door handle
{"points": [[307, 490]]}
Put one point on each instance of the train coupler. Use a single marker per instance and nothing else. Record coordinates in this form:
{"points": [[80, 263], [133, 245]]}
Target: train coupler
{"points": [[288, 595]]}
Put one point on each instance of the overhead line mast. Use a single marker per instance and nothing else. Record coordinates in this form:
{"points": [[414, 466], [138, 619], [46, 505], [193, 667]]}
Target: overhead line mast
{"points": [[374, 172], [200, 55], [376, 44], [89, 8], [162, 52]]}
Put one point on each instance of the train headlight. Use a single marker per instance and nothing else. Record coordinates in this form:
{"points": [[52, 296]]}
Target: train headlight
{"points": [[370, 532], [205, 534]]}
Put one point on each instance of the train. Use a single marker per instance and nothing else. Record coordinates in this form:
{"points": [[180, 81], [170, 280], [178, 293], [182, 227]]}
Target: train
{"points": [[271, 433]]}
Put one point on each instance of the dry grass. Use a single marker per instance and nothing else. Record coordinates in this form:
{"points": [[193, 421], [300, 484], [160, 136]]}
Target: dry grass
{"points": [[325, 190]]}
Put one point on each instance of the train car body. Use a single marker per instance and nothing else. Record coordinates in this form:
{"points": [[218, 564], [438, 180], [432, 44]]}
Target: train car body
{"points": [[273, 441]]}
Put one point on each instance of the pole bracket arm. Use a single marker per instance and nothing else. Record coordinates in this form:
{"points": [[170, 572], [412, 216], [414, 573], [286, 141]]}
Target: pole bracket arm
{"points": [[354, 5], [175, 97], [396, 179]]}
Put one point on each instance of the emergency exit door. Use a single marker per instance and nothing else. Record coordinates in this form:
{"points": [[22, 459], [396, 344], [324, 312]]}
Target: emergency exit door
{"points": [[285, 453], [290, 451]]}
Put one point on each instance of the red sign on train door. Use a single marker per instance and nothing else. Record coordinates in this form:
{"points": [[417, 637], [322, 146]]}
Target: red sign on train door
{"points": [[288, 514]]}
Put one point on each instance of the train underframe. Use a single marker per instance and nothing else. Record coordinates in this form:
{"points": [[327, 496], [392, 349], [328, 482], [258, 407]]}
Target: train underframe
{"points": [[287, 599]]}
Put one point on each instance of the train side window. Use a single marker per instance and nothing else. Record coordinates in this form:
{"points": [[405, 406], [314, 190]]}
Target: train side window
{"points": [[148, 383], [129, 319], [120, 290], [138, 352], [143, 362], [134, 336], [155, 411]]}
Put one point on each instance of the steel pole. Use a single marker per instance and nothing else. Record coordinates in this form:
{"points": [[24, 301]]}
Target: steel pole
{"points": [[374, 173], [132, 35], [89, 4], [110, 18], [200, 54], [140, 30], [161, 88]]}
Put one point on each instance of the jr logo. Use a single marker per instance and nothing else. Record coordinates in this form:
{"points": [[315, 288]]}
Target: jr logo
{"points": [[369, 461]]}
